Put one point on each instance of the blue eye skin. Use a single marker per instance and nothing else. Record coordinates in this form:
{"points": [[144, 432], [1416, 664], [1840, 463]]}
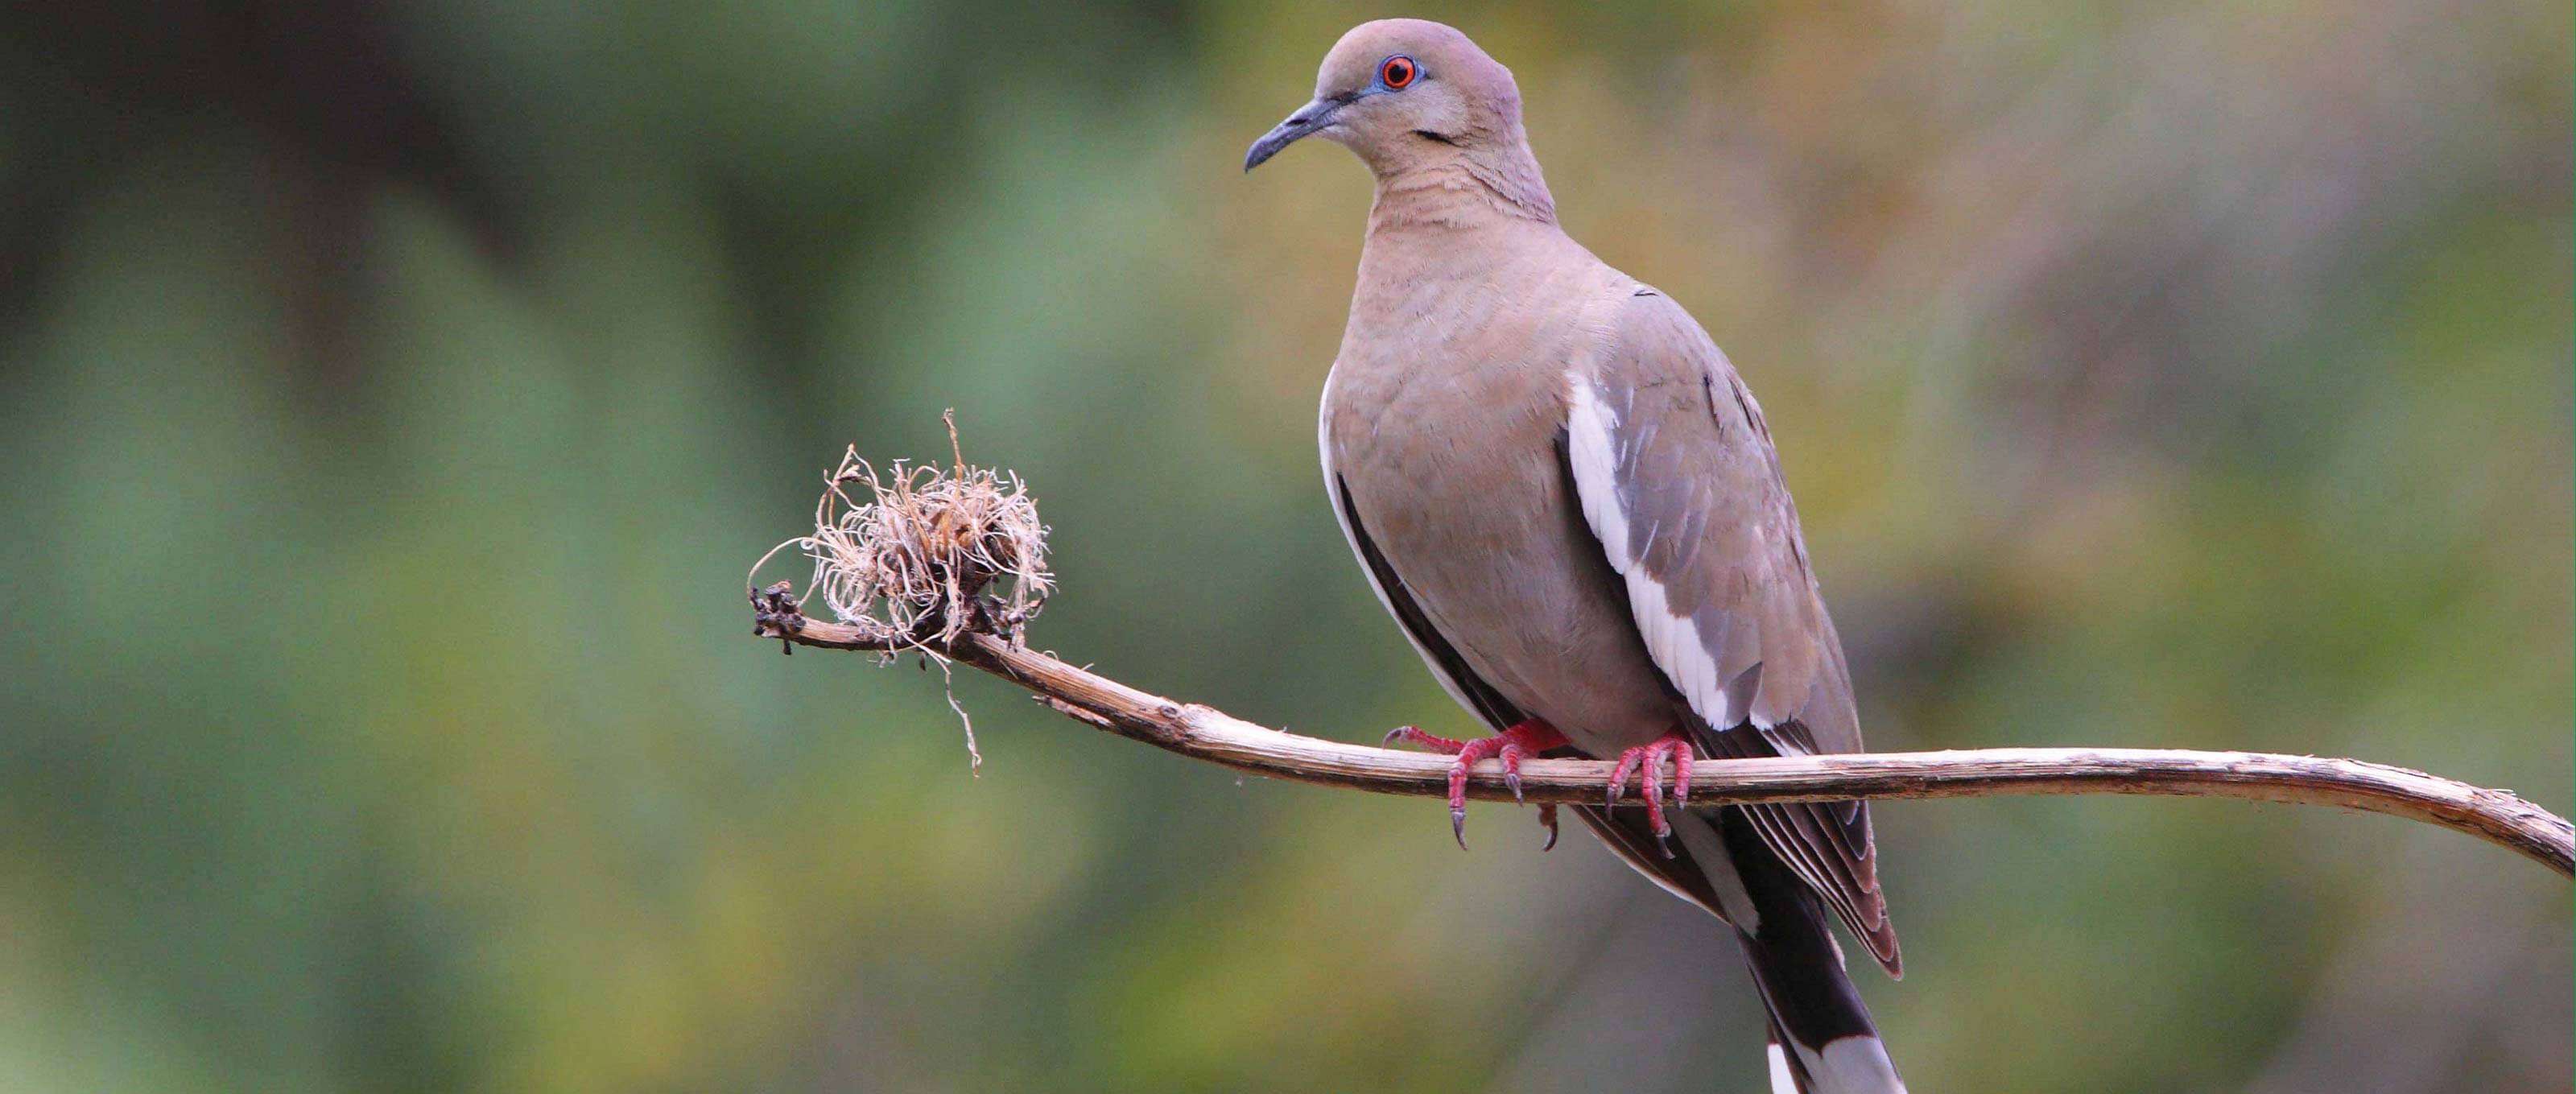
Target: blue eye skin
{"points": [[1398, 72]]}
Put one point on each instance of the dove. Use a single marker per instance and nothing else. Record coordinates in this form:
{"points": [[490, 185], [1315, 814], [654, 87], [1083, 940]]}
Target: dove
{"points": [[1571, 504]]}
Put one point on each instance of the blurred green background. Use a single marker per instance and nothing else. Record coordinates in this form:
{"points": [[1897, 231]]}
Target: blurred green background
{"points": [[391, 399]]}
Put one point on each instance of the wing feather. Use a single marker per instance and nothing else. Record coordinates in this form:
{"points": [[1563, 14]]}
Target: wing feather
{"points": [[1679, 482]]}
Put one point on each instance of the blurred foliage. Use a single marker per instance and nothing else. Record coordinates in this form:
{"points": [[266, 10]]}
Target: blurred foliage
{"points": [[390, 398]]}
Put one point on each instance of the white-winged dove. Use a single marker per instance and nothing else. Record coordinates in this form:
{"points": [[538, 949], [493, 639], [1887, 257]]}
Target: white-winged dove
{"points": [[1564, 494]]}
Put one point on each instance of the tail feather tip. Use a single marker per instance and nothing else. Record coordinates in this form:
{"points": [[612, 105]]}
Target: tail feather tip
{"points": [[1847, 1065]]}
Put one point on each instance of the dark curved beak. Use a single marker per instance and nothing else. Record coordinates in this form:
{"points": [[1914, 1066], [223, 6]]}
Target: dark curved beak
{"points": [[1308, 118]]}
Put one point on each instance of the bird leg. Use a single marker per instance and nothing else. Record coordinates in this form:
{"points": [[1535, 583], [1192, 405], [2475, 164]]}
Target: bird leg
{"points": [[1651, 756], [1510, 745]]}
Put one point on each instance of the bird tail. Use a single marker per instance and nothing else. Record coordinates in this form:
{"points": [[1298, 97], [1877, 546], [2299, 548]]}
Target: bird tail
{"points": [[1822, 1039]]}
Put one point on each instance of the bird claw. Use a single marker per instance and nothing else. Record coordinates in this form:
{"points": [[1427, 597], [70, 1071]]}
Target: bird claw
{"points": [[1413, 736], [1619, 772], [1648, 760], [1510, 746]]}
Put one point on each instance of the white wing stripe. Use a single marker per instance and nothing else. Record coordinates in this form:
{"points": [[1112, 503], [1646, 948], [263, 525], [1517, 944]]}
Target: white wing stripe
{"points": [[1670, 636]]}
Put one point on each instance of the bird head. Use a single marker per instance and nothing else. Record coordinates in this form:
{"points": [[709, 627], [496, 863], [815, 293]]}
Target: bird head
{"points": [[1405, 93]]}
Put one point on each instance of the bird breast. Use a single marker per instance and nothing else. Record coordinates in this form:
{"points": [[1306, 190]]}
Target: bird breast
{"points": [[1443, 419]]}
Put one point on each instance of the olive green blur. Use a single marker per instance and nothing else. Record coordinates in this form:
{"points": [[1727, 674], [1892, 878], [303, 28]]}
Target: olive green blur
{"points": [[392, 399]]}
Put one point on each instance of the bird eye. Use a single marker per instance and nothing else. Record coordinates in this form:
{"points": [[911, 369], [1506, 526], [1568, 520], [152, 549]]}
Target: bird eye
{"points": [[1397, 72]]}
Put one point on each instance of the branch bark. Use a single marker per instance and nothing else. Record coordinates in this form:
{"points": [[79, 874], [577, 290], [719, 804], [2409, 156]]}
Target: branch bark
{"points": [[1204, 733]]}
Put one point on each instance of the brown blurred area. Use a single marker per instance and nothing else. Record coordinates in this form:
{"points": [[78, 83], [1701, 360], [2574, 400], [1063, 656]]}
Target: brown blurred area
{"points": [[391, 396]]}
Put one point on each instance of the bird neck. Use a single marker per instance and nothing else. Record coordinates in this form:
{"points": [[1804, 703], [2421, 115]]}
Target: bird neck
{"points": [[1461, 189]]}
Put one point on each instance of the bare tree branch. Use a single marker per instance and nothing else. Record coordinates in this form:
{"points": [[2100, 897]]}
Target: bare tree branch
{"points": [[1204, 733]]}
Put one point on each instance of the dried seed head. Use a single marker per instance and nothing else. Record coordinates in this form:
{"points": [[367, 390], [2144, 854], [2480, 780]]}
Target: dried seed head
{"points": [[925, 553]]}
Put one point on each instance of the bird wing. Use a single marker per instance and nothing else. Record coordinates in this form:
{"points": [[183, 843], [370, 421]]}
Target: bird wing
{"points": [[1679, 482]]}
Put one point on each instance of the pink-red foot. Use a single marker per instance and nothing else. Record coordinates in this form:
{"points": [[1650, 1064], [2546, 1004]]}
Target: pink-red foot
{"points": [[1510, 745], [1651, 757]]}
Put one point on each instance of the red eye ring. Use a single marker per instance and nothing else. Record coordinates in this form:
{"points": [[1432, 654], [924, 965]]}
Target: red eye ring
{"points": [[1397, 72]]}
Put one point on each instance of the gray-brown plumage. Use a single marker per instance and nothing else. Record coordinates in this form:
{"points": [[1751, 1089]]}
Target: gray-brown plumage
{"points": [[1569, 499]]}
